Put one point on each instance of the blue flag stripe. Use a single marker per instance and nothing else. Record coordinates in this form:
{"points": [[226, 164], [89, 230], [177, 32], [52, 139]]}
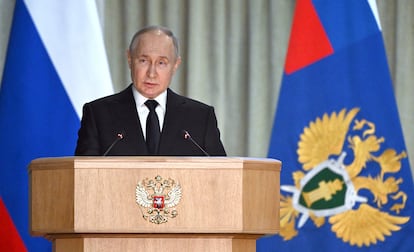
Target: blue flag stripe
{"points": [[341, 30]]}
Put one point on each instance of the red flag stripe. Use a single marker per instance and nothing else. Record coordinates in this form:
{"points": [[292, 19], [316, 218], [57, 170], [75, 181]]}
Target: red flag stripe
{"points": [[10, 240], [308, 41]]}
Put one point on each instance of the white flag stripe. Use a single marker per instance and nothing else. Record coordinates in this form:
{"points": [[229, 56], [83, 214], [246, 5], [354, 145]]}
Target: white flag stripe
{"points": [[72, 35], [374, 9]]}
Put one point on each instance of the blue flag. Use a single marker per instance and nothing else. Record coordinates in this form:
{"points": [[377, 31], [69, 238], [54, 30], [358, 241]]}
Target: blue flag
{"points": [[346, 183], [55, 62]]}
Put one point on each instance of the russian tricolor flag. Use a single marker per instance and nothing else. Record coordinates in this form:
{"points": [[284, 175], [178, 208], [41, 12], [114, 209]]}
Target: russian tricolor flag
{"points": [[346, 179], [55, 63]]}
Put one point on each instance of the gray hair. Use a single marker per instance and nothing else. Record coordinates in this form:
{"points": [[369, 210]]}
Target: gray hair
{"points": [[151, 28]]}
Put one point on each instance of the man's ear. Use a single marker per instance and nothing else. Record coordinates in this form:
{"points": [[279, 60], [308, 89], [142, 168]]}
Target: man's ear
{"points": [[177, 63], [128, 54]]}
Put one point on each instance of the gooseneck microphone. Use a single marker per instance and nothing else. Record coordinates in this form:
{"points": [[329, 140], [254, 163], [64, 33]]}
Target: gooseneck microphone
{"points": [[187, 136], [119, 137]]}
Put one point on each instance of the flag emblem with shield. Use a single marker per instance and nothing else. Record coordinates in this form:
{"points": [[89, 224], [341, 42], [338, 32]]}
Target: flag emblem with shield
{"points": [[331, 187]]}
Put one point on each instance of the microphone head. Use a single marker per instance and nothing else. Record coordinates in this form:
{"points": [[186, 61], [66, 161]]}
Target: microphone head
{"points": [[186, 134], [120, 135]]}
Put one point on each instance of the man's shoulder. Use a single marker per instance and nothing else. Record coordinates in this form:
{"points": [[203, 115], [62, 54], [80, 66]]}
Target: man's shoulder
{"points": [[186, 101], [121, 96]]}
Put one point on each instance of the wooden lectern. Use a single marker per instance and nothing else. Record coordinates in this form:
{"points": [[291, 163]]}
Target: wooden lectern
{"points": [[154, 203]]}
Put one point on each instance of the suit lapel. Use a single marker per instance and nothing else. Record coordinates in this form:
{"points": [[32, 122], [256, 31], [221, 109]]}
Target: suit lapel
{"points": [[171, 128], [128, 122]]}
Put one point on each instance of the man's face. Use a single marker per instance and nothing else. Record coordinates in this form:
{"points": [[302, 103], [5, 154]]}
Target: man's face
{"points": [[153, 63]]}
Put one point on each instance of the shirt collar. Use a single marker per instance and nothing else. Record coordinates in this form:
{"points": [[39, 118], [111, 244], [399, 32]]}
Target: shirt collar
{"points": [[140, 99]]}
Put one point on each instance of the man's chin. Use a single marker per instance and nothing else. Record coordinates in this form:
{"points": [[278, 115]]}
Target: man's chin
{"points": [[151, 93]]}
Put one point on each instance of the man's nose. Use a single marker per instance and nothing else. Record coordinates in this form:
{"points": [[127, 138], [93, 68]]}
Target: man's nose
{"points": [[152, 71]]}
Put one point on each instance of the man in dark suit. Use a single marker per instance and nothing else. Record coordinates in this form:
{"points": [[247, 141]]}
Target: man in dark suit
{"points": [[153, 58]]}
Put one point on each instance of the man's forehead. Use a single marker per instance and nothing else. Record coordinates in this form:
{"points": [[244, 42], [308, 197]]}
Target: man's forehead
{"points": [[155, 37], [154, 44]]}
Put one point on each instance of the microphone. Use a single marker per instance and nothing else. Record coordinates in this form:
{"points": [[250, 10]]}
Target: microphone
{"points": [[119, 137], [187, 136]]}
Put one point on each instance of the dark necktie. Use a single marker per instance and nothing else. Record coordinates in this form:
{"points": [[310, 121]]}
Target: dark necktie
{"points": [[153, 127]]}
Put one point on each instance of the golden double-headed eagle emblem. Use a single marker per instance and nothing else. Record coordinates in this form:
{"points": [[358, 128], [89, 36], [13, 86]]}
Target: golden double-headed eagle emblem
{"points": [[328, 188], [157, 198]]}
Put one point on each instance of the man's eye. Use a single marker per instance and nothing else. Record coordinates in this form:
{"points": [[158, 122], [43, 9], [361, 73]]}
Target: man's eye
{"points": [[142, 60]]}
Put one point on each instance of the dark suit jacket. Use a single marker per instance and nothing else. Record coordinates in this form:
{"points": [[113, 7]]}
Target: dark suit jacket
{"points": [[104, 118]]}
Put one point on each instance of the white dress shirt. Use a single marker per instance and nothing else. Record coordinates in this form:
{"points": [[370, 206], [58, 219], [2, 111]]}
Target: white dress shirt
{"points": [[143, 110]]}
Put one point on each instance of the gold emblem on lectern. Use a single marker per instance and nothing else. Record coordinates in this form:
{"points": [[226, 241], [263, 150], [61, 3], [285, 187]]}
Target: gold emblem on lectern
{"points": [[157, 199]]}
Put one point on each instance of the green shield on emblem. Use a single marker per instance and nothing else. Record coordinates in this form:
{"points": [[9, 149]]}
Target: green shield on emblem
{"points": [[325, 190]]}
